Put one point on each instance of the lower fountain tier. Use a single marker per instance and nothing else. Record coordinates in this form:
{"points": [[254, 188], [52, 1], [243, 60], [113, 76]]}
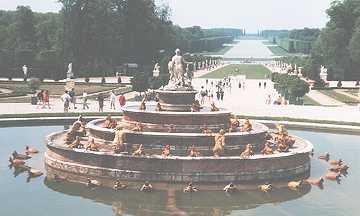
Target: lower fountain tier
{"points": [[181, 169]]}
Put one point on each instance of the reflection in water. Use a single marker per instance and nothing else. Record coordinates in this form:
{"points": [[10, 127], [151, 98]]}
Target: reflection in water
{"points": [[175, 202]]}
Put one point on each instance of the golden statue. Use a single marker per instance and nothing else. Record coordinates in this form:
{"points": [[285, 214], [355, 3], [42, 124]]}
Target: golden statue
{"points": [[267, 150], [166, 151], [118, 142], [246, 127], [158, 107], [196, 107], [219, 143], [92, 146], [77, 143], [139, 152], [143, 104], [234, 124], [193, 152], [76, 130], [247, 152], [109, 123], [214, 108]]}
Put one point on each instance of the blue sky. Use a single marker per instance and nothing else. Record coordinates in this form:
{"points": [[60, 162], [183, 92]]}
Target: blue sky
{"points": [[250, 14]]}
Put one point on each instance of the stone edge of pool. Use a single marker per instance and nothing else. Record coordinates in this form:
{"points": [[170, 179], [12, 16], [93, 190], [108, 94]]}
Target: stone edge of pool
{"points": [[306, 124]]}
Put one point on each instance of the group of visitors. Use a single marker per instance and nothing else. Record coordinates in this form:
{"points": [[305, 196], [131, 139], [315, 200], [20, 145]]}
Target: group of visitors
{"points": [[69, 98], [43, 97]]}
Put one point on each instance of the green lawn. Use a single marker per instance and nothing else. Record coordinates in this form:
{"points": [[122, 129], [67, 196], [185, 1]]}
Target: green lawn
{"points": [[278, 51], [340, 97], [310, 102], [251, 71]]}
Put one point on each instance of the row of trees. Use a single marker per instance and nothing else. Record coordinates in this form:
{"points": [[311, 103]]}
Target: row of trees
{"points": [[97, 36], [294, 41], [338, 46], [290, 87]]}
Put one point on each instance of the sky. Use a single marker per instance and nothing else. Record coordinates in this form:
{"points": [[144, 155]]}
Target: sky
{"points": [[253, 15]]}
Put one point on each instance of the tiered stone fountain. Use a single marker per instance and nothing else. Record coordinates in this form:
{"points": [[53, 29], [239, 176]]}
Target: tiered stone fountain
{"points": [[186, 130]]}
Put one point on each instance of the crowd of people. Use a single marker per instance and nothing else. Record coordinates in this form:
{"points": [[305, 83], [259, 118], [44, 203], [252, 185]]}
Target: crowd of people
{"points": [[69, 97]]}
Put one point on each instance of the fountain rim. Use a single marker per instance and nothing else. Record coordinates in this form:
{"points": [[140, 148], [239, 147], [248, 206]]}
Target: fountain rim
{"points": [[135, 109]]}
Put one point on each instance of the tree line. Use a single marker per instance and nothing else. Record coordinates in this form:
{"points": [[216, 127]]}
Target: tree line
{"points": [[337, 46], [97, 36]]}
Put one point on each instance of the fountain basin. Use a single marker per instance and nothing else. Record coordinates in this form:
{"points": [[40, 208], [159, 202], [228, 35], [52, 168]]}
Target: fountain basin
{"points": [[293, 164]]}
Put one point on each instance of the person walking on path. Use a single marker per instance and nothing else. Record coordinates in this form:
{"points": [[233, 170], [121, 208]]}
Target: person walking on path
{"points": [[46, 99], [66, 100], [112, 100], [122, 100], [84, 101], [100, 99], [40, 98]]}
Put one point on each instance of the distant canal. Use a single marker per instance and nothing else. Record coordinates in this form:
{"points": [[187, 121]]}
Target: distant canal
{"points": [[39, 197]]}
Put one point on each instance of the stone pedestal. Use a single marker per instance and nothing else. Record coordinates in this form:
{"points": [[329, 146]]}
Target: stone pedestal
{"points": [[177, 100], [70, 84]]}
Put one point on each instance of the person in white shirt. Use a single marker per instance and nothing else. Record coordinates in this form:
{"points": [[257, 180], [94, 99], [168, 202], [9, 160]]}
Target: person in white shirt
{"points": [[66, 99], [112, 100], [84, 101]]}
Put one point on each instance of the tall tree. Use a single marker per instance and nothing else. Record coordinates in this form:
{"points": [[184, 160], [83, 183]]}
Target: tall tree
{"points": [[25, 28]]}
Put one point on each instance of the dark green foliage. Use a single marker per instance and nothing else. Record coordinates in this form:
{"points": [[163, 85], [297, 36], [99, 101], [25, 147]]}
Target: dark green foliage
{"points": [[140, 82], [97, 36], [339, 41], [290, 86], [34, 84]]}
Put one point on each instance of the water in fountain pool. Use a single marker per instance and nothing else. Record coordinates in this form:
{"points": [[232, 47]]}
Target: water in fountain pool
{"points": [[41, 197]]}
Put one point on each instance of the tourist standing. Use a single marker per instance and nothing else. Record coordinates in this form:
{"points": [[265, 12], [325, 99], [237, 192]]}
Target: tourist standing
{"points": [[72, 96], [202, 95], [218, 94], [222, 94], [66, 100], [100, 100], [84, 101], [259, 84], [265, 85], [122, 100], [40, 98], [268, 100], [46, 99], [112, 100]]}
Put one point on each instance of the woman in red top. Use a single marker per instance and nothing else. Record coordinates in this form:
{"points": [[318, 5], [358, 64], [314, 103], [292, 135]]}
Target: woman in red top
{"points": [[122, 100], [46, 99]]}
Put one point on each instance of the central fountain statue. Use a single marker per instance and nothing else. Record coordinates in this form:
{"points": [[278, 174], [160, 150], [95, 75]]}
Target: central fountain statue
{"points": [[179, 94], [179, 76]]}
